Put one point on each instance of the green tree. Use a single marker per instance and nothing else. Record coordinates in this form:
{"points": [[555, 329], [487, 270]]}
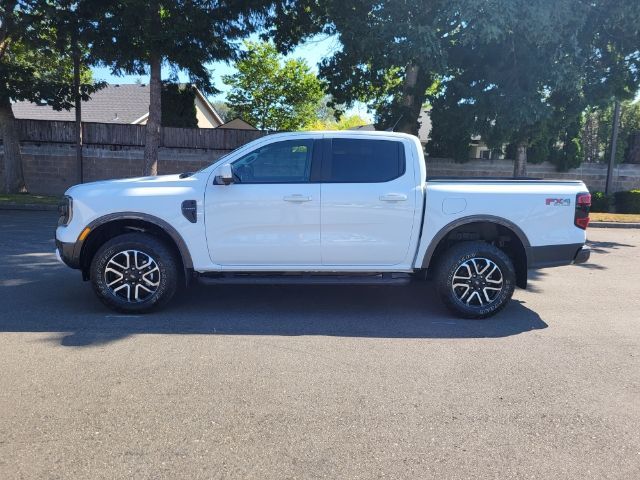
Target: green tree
{"points": [[630, 130], [225, 111], [326, 110], [144, 35], [595, 135], [33, 68], [516, 69], [590, 135], [272, 93], [76, 25], [391, 51], [178, 106], [345, 122], [503, 67]]}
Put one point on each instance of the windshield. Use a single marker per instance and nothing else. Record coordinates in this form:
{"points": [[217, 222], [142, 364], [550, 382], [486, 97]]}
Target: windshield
{"points": [[226, 155]]}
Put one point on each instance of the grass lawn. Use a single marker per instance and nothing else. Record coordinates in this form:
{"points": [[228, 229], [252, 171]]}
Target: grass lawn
{"points": [[615, 217], [28, 198]]}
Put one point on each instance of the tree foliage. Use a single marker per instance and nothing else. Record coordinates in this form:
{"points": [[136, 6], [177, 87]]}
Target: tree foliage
{"points": [[272, 93], [34, 59], [524, 71], [345, 122], [143, 35], [178, 106], [391, 51], [35, 66], [506, 69], [595, 134], [225, 111], [186, 35]]}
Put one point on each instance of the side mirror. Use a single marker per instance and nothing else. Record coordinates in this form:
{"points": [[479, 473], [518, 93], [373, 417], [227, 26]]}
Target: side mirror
{"points": [[225, 175]]}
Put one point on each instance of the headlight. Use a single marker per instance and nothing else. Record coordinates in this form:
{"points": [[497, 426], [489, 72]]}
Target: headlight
{"points": [[65, 210]]}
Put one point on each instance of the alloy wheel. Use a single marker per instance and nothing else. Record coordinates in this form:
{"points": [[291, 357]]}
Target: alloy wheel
{"points": [[477, 282], [132, 275]]}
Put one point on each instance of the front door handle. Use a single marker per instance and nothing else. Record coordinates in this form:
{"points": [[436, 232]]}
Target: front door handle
{"points": [[297, 198], [393, 197]]}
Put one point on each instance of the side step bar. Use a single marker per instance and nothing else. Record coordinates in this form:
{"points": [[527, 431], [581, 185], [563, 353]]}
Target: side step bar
{"points": [[304, 279]]}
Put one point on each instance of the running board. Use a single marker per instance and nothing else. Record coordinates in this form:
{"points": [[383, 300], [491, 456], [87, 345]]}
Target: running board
{"points": [[304, 279]]}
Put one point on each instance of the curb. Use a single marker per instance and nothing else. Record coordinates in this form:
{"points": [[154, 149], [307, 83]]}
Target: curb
{"points": [[613, 225], [28, 206]]}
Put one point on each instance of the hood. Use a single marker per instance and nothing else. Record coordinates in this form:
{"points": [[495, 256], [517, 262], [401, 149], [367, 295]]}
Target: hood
{"points": [[125, 184]]}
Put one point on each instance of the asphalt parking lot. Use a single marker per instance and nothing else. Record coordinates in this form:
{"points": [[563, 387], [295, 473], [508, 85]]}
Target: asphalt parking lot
{"points": [[318, 381]]}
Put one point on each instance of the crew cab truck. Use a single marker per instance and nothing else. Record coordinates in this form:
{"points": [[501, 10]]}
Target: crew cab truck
{"points": [[320, 207]]}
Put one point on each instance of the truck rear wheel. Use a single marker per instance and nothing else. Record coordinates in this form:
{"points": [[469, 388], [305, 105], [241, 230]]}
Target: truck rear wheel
{"points": [[475, 279], [134, 273]]}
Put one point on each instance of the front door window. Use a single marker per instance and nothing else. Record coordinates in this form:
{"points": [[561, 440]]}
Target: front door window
{"points": [[281, 162]]}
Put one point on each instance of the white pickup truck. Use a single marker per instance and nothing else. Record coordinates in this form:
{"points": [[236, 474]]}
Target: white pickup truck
{"points": [[321, 207]]}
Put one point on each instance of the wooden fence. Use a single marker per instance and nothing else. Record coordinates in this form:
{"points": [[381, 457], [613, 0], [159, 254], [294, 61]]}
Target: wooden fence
{"points": [[134, 135]]}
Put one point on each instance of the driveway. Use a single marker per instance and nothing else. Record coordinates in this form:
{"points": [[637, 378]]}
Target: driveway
{"points": [[318, 381]]}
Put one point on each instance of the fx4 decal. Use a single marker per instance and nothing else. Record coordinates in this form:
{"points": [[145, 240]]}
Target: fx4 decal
{"points": [[559, 202]]}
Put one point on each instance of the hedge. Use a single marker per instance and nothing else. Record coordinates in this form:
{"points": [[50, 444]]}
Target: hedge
{"points": [[600, 202], [628, 202]]}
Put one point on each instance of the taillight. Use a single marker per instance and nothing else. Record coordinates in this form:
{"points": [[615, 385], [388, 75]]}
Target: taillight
{"points": [[583, 204]]}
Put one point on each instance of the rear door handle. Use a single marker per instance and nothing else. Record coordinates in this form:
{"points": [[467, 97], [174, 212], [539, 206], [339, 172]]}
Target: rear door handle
{"points": [[393, 197], [297, 198]]}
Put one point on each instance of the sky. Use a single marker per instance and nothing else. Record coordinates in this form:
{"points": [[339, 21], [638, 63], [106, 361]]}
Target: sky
{"points": [[313, 51]]}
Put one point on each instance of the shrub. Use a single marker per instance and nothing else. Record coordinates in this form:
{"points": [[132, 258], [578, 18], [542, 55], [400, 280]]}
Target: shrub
{"points": [[600, 202], [628, 202]]}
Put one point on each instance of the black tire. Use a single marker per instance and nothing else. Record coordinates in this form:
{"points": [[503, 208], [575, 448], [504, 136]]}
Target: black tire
{"points": [[162, 281], [481, 297]]}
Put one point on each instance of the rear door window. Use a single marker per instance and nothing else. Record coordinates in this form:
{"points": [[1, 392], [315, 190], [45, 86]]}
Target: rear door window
{"points": [[363, 161]]}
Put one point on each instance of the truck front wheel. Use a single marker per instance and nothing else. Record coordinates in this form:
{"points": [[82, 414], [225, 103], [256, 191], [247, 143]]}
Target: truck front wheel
{"points": [[475, 279], [134, 273]]}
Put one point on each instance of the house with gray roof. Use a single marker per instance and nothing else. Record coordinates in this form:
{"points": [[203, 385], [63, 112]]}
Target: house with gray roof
{"points": [[116, 103]]}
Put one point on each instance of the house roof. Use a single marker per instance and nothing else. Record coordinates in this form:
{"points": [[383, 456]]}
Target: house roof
{"points": [[116, 103], [209, 107], [370, 127], [238, 123]]}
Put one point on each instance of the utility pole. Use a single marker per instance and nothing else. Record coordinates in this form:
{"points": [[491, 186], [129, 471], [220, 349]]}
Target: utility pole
{"points": [[614, 144]]}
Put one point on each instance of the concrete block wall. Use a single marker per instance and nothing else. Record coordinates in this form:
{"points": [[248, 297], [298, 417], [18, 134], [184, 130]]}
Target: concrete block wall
{"points": [[50, 169], [594, 175]]}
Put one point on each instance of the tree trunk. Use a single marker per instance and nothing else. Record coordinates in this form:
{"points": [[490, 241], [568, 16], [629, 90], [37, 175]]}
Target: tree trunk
{"points": [[589, 138], [152, 138], [614, 146], [78, 109], [634, 148], [414, 90], [520, 163], [13, 175]]}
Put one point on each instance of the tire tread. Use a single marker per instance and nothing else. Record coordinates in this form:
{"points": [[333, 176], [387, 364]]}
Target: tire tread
{"points": [[142, 241], [451, 259]]}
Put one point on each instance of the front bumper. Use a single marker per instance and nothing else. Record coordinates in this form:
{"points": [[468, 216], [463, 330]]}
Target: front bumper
{"points": [[69, 253], [582, 255]]}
